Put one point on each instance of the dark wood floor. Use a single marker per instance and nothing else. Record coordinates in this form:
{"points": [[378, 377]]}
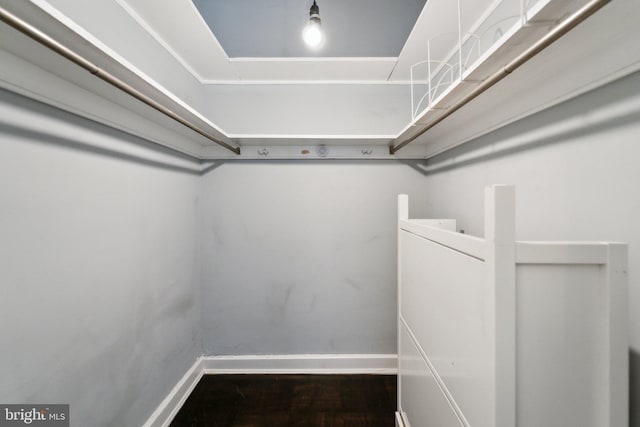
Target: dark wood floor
{"points": [[290, 400]]}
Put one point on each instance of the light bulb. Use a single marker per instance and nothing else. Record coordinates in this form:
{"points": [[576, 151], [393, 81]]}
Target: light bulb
{"points": [[312, 34]]}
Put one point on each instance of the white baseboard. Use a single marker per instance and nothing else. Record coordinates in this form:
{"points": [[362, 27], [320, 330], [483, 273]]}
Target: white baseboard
{"points": [[302, 364], [167, 410], [268, 364]]}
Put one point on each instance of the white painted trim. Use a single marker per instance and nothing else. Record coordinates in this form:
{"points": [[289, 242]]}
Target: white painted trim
{"points": [[368, 149], [380, 364], [307, 136], [464, 243], [592, 85], [400, 420], [314, 59], [145, 26], [434, 373], [33, 82], [131, 11], [402, 215], [500, 275], [106, 50], [169, 407], [305, 82], [616, 290], [204, 23], [561, 252], [302, 364]]}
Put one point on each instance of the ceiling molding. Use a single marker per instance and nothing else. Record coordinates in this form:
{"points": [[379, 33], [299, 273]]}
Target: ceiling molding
{"points": [[123, 4], [306, 82], [312, 136], [201, 38], [316, 59], [123, 63]]}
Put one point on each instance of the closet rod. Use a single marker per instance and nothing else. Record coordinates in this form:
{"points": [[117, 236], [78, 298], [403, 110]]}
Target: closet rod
{"points": [[557, 32], [77, 59]]}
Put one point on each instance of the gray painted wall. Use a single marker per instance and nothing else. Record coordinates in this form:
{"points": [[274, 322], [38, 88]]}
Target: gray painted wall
{"points": [[576, 170], [98, 295], [101, 289], [299, 257]]}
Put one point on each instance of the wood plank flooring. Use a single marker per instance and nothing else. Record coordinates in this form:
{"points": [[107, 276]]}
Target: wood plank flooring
{"points": [[290, 400]]}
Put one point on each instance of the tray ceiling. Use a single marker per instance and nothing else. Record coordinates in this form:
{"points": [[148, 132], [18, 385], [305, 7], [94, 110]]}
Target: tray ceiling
{"points": [[273, 28], [372, 33], [378, 39]]}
